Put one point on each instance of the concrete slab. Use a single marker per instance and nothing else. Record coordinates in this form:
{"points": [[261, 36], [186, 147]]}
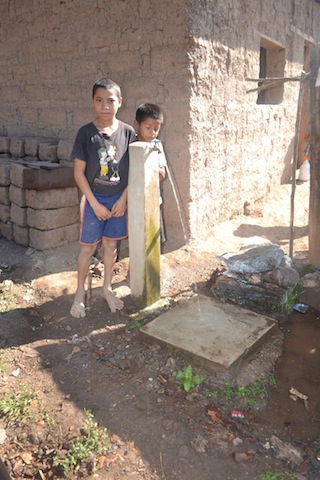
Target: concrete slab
{"points": [[218, 334]]}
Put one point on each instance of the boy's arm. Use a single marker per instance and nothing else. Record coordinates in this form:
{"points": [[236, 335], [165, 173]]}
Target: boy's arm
{"points": [[100, 210], [162, 173]]}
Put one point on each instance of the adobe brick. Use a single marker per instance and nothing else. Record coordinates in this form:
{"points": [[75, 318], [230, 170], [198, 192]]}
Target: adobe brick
{"points": [[5, 166], [45, 239], [18, 215], [64, 150], [17, 147], [6, 230], [17, 195], [21, 235], [31, 146], [54, 198], [41, 178], [4, 213], [4, 144], [51, 219], [4, 195], [48, 152]]}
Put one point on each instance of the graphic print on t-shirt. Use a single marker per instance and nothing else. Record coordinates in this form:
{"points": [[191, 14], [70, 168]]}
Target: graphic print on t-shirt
{"points": [[108, 164]]}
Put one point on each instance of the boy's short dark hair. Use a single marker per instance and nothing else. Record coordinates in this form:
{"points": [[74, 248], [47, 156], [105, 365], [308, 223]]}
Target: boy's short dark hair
{"points": [[148, 110], [107, 84]]}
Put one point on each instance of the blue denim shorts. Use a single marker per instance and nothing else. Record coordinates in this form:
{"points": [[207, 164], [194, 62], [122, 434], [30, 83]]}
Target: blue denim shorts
{"points": [[93, 229]]}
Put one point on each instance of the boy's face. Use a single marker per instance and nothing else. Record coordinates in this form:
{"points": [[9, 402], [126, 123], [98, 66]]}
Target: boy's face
{"points": [[147, 130], [106, 104]]}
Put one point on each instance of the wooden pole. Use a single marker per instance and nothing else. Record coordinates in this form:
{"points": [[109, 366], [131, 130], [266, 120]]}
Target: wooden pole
{"points": [[314, 211], [295, 159]]}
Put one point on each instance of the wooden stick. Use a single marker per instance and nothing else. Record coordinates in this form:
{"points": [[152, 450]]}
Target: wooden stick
{"points": [[295, 159]]}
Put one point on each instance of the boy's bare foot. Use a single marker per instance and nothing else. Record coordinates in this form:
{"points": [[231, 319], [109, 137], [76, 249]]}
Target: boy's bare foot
{"points": [[78, 306], [114, 302]]}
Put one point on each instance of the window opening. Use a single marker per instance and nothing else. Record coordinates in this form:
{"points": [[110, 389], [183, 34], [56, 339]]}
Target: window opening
{"points": [[272, 65]]}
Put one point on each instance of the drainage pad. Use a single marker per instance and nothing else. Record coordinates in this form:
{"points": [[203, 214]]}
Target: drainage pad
{"points": [[219, 334]]}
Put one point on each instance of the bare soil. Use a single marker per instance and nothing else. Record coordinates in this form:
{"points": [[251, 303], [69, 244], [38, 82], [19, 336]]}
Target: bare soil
{"points": [[101, 363]]}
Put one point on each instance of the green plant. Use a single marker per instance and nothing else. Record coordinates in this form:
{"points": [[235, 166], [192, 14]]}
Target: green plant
{"points": [[270, 475], [186, 378], [91, 442], [248, 395], [289, 299], [272, 380], [136, 324], [16, 407]]}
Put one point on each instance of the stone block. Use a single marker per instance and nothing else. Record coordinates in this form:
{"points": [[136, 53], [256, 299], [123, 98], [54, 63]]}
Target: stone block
{"points": [[54, 198], [64, 150], [5, 166], [18, 215], [21, 235], [40, 178], [4, 195], [44, 239], [17, 195], [31, 146], [17, 147], [4, 145], [6, 230], [4, 213], [48, 152], [52, 219]]}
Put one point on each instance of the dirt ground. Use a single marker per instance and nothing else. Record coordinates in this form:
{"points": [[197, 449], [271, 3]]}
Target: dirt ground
{"points": [[102, 364]]}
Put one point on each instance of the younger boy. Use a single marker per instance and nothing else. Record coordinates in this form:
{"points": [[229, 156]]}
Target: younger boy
{"points": [[148, 122], [101, 166]]}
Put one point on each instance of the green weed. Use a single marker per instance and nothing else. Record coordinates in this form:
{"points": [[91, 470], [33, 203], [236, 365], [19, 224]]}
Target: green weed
{"points": [[136, 324], [270, 475], [248, 395], [91, 442], [16, 407], [187, 379], [289, 299]]}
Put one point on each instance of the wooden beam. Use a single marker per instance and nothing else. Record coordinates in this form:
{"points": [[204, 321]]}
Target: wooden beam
{"points": [[295, 159], [314, 212]]}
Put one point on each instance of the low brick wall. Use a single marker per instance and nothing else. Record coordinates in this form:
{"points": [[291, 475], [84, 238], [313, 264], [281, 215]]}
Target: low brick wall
{"points": [[39, 199]]}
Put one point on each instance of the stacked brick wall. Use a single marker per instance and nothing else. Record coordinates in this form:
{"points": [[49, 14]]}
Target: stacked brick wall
{"points": [[39, 200]]}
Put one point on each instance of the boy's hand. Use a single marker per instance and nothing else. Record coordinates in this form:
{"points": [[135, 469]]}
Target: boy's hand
{"points": [[101, 212], [119, 207]]}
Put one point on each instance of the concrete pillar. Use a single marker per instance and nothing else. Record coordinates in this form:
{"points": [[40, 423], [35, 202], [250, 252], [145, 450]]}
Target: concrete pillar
{"points": [[144, 223]]}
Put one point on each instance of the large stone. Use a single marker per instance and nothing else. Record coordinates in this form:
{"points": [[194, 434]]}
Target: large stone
{"points": [[282, 276], [262, 258], [266, 299]]}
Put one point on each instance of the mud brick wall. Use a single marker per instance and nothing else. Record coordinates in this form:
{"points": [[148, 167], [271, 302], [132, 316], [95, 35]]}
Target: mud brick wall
{"points": [[192, 57], [39, 200]]}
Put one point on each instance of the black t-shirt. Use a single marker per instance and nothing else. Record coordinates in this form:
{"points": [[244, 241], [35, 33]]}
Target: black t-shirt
{"points": [[106, 157]]}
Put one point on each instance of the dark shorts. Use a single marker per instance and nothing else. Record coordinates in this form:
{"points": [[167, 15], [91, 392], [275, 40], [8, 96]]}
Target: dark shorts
{"points": [[92, 229]]}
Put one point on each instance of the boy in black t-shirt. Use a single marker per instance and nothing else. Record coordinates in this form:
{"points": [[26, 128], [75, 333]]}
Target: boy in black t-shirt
{"points": [[101, 166]]}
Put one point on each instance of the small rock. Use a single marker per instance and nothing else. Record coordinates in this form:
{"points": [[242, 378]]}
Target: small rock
{"points": [[286, 451], [3, 436]]}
